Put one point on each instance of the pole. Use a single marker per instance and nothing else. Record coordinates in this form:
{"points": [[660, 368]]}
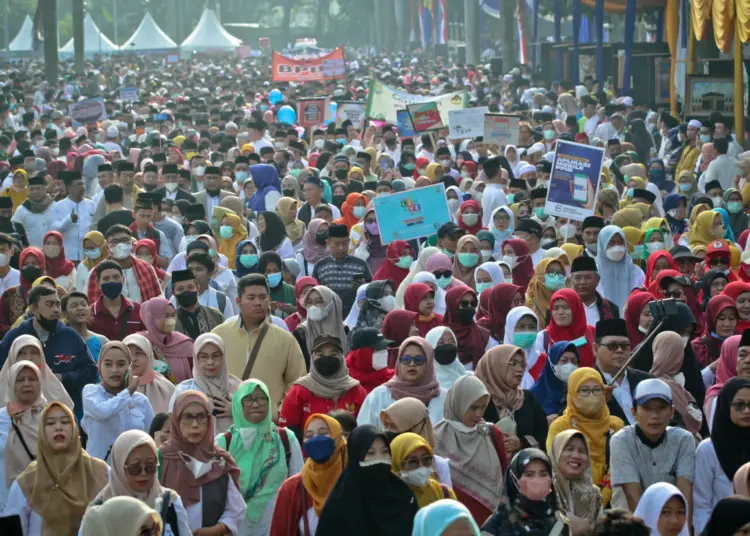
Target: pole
{"points": [[629, 30], [600, 41], [575, 71], [7, 25], [49, 22], [114, 19], [535, 34], [471, 30], [558, 34], [78, 44], [739, 97]]}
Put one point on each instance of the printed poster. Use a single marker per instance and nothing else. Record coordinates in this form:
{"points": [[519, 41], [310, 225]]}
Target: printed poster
{"points": [[87, 111], [354, 111], [412, 213], [311, 112], [574, 181], [328, 67], [502, 129], [383, 101], [403, 122], [425, 116], [466, 123]]}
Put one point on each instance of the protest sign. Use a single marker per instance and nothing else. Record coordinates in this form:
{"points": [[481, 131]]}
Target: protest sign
{"points": [[87, 111], [311, 112], [502, 129], [353, 111], [328, 67], [403, 122], [574, 181], [128, 94], [383, 101], [466, 123], [424, 116], [412, 213]]}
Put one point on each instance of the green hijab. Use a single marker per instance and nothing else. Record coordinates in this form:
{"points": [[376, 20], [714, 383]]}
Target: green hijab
{"points": [[263, 465]]}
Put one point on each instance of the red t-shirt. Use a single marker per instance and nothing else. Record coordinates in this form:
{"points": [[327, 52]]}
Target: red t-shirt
{"points": [[299, 404]]}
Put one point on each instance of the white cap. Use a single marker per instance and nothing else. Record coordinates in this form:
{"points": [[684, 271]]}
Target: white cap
{"points": [[536, 148], [628, 101], [651, 389], [527, 168], [112, 132], [695, 123]]}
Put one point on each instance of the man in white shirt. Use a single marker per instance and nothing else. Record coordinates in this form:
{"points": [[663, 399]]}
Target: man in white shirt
{"points": [[9, 277], [113, 136], [256, 132], [391, 145], [723, 168], [494, 195], [531, 231], [35, 214], [105, 176], [72, 216], [590, 115]]}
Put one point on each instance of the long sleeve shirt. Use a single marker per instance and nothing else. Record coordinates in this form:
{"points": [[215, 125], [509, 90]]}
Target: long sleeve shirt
{"points": [[35, 225], [73, 233], [380, 398], [710, 486]]}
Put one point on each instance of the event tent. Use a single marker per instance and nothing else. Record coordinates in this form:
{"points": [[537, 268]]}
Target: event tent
{"points": [[148, 38], [24, 40], [210, 36], [94, 41]]}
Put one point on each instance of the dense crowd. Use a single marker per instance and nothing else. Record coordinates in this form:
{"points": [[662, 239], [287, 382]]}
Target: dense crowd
{"points": [[204, 332]]}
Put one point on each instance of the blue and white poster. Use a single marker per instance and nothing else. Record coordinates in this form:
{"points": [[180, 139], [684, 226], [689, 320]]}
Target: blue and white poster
{"points": [[411, 213], [403, 122], [574, 182]]}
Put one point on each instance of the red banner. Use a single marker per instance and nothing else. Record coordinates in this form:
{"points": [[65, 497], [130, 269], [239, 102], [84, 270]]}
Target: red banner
{"points": [[328, 67], [311, 112]]}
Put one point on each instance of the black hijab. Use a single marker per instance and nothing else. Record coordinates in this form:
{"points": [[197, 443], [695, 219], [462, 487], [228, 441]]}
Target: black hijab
{"points": [[368, 500], [729, 516], [731, 442], [708, 279], [371, 315], [275, 232], [202, 227]]}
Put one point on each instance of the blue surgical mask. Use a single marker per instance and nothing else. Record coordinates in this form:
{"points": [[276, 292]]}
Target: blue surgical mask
{"points": [[263, 107], [705, 138], [443, 282], [554, 281], [549, 134], [631, 191], [226, 232], [319, 448], [685, 186], [342, 141], [580, 341], [274, 279], [483, 286], [405, 261], [93, 254], [539, 212], [241, 176], [468, 259], [524, 339], [734, 207], [511, 197], [451, 255], [359, 212], [248, 260]]}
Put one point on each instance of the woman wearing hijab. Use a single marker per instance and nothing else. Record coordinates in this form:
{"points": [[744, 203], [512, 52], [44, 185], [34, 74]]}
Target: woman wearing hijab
{"points": [[549, 388], [95, 251], [52, 493], [441, 266], [719, 457], [473, 340], [709, 226], [663, 508], [568, 323], [399, 258], [587, 412], [379, 302], [415, 377], [516, 253], [145, 250], [488, 275], [521, 328], [448, 368], [638, 316], [502, 225], [429, 279], [413, 461], [134, 465], [273, 235], [352, 210], [301, 288], [730, 517], [268, 188], [286, 209], [514, 410], [170, 347], [618, 275], [314, 247], [445, 517], [738, 220], [368, 498], [283, 302], [721, 323], [420, 265], [549, 277], [57, 266], [657, 261], [713, 283], [469, 217], [398, 325], [304, 494], [212, 378], [528, 505], [503, 298], [231, 233], [113, 406], [466, 260], [156, 387], [420, 299], [18, 191], [324, 317], [204, 476]]}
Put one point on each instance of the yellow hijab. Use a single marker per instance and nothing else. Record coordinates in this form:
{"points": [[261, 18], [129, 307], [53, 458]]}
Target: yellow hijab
{"points": [[654, 223], [228, 246], [401, 447], [98, 239], [16, 196], [643, 208], [701, 233], [627, 217], [633, 236], [537, 294], [294, 228], [319, 479], [573, 251], [430, 172]]}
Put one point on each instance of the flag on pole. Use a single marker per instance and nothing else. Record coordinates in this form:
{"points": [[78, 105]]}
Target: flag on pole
{"points": [[441, 26], [412, 30], [426, 22]]}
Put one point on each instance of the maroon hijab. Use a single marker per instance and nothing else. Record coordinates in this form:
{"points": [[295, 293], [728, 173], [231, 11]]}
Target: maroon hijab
{"points": [[472, 339], [524, 269], [500, 304], [413, 296]]}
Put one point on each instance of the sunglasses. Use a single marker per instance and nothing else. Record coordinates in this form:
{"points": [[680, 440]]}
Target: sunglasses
{"points": [[136, 469], [676, 294], [446, 273], [613, 346], [467, 304], [417, 360]]}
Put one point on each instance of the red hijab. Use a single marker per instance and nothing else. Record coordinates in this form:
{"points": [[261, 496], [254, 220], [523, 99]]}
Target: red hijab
{"points": [[633, 308], [413, 296], [733, 290], [742, 240], [478, 209], [35, 252], [151, 246], [578, 327], [652, 262], [396, 327], [389, 269], [472, 339], [472, 168], [59, 266], [347, 210], [654, 287], [421, 162], [483, 313], [359, 362], [501, 300], [524, 269], [297, 318], [714, 308]]}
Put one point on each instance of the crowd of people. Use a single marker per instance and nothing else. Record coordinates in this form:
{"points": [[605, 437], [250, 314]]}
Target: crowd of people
{"points": [[204, 333]]}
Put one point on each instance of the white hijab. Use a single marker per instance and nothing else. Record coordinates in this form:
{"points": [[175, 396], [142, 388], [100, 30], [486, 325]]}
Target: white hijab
{"points": [[653, 500], [351, 319], [532, 353], [446, 374]]}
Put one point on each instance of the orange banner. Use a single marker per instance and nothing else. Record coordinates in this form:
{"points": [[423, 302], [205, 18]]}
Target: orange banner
{"points": [[328, 67]]}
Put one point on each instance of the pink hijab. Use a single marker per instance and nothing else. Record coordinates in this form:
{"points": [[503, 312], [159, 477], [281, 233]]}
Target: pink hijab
{"points": [[725, 370], [173, 348]]}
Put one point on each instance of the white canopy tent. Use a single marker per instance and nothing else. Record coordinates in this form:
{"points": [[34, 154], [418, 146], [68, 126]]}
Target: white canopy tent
{"points": [[94, 41], [210, 36], [24, 40], [148, 38]]}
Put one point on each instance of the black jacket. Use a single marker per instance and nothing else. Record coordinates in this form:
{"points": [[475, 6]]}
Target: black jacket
{"points": [[181, 194]]}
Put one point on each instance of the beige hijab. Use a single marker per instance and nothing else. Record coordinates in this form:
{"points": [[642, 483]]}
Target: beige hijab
{"points": [[223, 386], [579, 497], [25, 424], [332, 324], [492, 370], [126, 443], [475, 464], [156, 387], [120, 516], [52, 389], [60, 484], [410, 415], [461, 272]]}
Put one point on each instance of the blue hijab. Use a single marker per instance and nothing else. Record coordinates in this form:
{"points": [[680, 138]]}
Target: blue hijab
{"points": [[242, 270], [728, 233], [671, 202], [266, 180], [434, 518], [549, 389], [618, 279]]}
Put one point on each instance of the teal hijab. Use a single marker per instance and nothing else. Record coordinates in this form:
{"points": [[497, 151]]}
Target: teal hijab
{"points": [[435, 518]]}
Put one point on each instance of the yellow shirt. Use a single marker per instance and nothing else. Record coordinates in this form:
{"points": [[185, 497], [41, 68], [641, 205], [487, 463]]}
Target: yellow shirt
{"points": [[688, 159]]}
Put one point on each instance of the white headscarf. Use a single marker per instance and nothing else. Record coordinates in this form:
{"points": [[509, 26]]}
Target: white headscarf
{"points": [[532, 354], [493, 270], [351, 319], [416, 267], [460, 195], [446, 374], [514, 164], [658, 203], [653, 500], [617, 278]]}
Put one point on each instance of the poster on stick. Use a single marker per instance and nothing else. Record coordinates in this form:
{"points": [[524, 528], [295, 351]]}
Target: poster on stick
{"points": [[574, 181]]}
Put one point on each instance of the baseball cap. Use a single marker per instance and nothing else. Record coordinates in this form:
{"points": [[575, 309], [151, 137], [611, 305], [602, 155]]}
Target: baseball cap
{"points": [[651, 389], [450, 229], [322, 340], [369, 338], [683, 252]]}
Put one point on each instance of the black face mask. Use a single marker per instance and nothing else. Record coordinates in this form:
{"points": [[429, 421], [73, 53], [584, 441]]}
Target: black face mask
{"points": [[213, 193], [31, 273], [390, 435], [289, 193], [48, 324], [149, 187], [321, 238], [445, 354], [338, 200], [341, 174], [327, 365], [187, 298], [466, 315]]}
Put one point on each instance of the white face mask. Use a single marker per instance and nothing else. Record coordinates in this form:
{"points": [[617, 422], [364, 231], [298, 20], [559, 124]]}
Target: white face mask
{"points": [[548, 241], [316, 314], [616, 253], [122, 251], [380, 359], [716, 201], [387, 303], [417, 477], [470, 219], [319, 143], [563, 372], [171, 186], [465, 174], [200, 171], [248, 436], [453, 205], [197, 467], [653, 247], [510, 260], [643, 330], [376, 461], [4, 259], [486, 254]]}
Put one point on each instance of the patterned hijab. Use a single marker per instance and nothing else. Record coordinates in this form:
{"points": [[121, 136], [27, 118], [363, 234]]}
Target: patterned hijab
{"points": [[580, 496]]}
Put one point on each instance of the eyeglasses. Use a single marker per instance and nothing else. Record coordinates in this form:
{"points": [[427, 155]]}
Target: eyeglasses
{"points": [[613, 346], [135, 469], [417, 360], [200, 418], [416, 463], [515, 363], [674, 294], [250, 401], [446, 273], [588, 391], [467, 304], [739, 407]]}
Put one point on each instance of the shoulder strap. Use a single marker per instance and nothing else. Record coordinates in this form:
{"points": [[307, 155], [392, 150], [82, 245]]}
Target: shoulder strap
{"points": [[164, 510], [23, 441], [285, 442], [254, 352], [221, 300], [446, 492], [227, 439], [557, 529], [124, 325]]}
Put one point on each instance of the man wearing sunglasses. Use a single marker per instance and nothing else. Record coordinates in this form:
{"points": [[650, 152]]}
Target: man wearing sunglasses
{"points": [[674, 288], [719, 257]]}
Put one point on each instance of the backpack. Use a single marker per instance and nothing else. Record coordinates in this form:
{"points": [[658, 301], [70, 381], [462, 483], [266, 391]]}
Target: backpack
{"points": [[282, 435]]}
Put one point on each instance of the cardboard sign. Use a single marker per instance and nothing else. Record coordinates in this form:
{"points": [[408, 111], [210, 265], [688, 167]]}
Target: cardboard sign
{"points": [[403, 121], [425, 116], [412, 213], [502, 129], [128, 94], [328, 67], [87, 111], [353, 111], [574, 181], [311, 112], [466, 123]]}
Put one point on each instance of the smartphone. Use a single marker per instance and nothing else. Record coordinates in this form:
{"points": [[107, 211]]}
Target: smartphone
{"points": [[580, 188], [126, 379], [384, 166]]}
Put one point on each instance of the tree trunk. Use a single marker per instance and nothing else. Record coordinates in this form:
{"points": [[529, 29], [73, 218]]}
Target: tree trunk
{"points": [[49, 23], [508, 21]]}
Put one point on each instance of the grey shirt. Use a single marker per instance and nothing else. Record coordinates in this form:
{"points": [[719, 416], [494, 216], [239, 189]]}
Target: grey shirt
{"points": [[172, 230]]}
